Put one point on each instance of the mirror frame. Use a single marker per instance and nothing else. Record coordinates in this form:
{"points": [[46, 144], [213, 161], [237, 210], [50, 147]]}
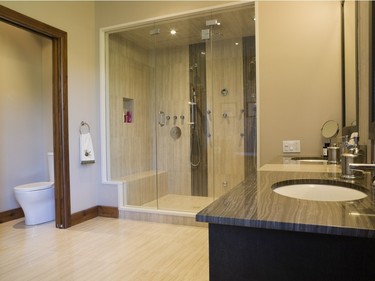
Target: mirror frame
{"points": [[59, 104], [372, 73], [347, 129]]}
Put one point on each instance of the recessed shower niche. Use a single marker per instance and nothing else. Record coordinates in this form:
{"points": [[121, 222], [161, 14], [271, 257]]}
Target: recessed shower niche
{"points": [[128, 110], [174, 79]]}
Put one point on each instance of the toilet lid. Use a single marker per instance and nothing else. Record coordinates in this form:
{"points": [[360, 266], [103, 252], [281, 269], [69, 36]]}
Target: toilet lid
{"points": [[34, 186]]}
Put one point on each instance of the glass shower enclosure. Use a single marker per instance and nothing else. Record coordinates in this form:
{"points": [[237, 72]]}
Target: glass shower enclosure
{"points": [[181, 108]]}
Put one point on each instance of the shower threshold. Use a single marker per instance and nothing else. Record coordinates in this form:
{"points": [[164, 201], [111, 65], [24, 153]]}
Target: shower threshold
{"points": [[172, 208], [184, 203]]}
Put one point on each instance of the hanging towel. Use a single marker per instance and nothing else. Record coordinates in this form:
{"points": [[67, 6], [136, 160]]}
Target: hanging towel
{"points": [[86, 149]]}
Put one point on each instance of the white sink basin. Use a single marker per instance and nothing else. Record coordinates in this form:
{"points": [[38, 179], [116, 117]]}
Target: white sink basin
{"points": [[321, 161], [310, 160], [320, 192]]}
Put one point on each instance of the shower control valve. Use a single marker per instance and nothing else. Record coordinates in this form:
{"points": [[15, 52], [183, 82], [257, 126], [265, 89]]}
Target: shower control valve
{"points": [[224, 92], [225, 115], [161, 118]]}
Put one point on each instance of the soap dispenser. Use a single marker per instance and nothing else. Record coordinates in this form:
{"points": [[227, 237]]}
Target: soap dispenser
{"points": [[333, 154]]}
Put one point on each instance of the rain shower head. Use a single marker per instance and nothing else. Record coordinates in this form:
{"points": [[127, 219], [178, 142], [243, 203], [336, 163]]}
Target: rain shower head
{"points": [[155, 31], [212, 22]]}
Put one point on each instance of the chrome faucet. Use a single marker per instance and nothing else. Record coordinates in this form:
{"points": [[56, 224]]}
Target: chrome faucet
{"points": [[347, 160], [352, 159], [363, 167]]}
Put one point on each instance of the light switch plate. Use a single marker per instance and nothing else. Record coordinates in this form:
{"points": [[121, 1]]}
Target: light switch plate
{"points": [[291, 146]]}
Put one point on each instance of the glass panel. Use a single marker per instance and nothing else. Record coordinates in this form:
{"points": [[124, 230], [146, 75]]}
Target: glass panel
{"points": [[131, 119], [177, 94], [226, 68], [183, 108], [231, 76], [205, 89]]}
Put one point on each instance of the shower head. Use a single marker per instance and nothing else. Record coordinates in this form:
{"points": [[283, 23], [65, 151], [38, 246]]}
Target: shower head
{"points": [[212, 22], [155, 31]]}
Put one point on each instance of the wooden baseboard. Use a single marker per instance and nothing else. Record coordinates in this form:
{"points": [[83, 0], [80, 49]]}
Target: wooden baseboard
{"points": [[81, 216], [84, 215], [11, 215], [88, 214], [109, 212]]}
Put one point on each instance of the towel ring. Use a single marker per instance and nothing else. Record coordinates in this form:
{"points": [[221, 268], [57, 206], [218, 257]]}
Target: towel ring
{"points": [[84, 124]]}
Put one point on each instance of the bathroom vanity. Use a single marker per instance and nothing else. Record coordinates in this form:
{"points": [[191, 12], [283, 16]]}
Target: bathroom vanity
{"points": [[257, 234]]}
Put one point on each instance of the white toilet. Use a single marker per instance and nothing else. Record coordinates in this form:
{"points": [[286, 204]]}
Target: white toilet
{"points": [[37, 199]]}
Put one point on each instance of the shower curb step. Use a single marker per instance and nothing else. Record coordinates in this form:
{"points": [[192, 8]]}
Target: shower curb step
{"points": [[168, 217]]}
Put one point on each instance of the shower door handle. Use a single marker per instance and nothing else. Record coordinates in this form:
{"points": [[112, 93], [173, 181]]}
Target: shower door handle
{"points": [[161, 118]]}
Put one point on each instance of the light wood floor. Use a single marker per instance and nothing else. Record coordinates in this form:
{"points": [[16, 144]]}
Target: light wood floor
{"points": [[103, 249]]}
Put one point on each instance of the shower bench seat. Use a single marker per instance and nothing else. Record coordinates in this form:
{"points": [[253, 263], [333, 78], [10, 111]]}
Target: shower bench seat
{"points": [[140, 188]]}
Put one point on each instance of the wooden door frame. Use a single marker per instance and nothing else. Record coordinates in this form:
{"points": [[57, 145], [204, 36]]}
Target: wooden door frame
{"points": [[59, 104]]}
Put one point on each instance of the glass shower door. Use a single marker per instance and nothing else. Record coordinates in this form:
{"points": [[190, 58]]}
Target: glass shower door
{"points": [[182, 104], [205, 95], [177, 105]]}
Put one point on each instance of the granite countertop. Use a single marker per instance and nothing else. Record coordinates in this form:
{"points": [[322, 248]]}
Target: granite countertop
{"points": [[254, 204]]}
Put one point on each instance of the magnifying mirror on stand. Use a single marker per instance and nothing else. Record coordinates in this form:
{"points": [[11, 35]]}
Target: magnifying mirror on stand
{"points": [[330, 129]]}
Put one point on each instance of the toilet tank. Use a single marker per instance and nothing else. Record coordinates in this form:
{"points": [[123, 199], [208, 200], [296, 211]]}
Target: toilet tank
{"points": [[51, 170]]}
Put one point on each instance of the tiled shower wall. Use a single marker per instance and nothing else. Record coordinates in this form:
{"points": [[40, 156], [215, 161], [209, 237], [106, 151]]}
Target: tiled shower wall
{"points": [[172, 94], [226, 146], [132, 145]]}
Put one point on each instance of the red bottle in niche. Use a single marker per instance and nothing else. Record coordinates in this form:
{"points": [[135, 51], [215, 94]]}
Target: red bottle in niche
{"points": [[129, 117]]}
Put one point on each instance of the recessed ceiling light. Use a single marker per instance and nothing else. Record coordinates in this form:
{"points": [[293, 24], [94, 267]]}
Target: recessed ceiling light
{"points": [[173, 31]]}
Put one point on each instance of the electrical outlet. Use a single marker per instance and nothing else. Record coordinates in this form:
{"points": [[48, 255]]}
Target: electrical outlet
{"points": [[291, 146]]}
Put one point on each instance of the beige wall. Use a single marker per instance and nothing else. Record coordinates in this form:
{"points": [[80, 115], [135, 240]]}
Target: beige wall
{"points": [[25, 111], [78, 20], [299, 73]]}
